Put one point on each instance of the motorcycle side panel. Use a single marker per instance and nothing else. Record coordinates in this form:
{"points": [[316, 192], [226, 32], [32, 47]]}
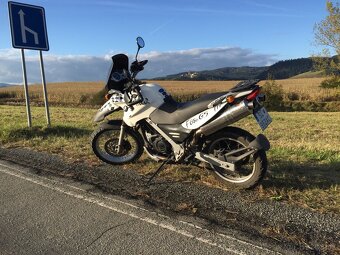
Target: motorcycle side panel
{"points": [[153, 95], [176, 132], [203, 117]]}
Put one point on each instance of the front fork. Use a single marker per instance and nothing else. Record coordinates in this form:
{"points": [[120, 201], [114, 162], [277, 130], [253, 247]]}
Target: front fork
{"points": [[121, 137]]}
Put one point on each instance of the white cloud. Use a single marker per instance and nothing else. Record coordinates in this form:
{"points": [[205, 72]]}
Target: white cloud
{"points": [[57, 68], [162, 63], [94, 68]]}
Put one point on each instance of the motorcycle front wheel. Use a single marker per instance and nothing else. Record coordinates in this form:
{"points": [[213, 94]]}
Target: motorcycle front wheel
{"points": [[105, 145], [249, 171]]}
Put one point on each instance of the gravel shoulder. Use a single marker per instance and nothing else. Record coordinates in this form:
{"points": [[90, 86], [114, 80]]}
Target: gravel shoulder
{"points": [[309, 231]]}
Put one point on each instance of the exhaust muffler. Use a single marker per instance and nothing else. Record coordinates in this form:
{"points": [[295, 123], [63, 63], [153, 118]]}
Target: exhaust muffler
{"points": [[233, 114]]}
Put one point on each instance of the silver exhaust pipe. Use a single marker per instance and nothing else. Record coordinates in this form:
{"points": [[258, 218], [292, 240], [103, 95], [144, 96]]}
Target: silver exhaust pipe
{"points": [[233, 114]]}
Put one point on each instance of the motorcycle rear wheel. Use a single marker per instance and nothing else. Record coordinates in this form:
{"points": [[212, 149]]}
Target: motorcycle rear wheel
{"points": [[249, 171], [105, 145]]}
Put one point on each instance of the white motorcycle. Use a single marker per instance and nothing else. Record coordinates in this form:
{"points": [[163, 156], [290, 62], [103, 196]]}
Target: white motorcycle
{"points": [[189, 133]]}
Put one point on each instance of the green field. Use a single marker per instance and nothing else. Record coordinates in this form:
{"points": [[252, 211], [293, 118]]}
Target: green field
{"points": [[304, 158]]}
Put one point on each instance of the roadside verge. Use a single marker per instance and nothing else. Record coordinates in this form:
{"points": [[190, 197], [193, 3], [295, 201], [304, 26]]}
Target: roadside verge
{"points": [[313, 232]]}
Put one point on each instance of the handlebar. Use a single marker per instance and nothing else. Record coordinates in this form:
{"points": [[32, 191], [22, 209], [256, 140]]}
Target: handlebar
{"points": [[137, 66], [133, 85]]}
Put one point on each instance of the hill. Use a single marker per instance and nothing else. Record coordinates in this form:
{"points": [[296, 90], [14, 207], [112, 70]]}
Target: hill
{"points": [[2, 85], [309, 74], [226, 73], [280, 70], [288, 68]]}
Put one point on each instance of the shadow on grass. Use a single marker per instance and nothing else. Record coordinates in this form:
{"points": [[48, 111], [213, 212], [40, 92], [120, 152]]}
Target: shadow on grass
{"points": [[303, 175], [45, 132], [283, 174]]}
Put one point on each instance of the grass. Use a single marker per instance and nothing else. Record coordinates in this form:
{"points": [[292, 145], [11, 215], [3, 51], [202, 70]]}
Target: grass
{"points": [[80, 93], [310, 74], [304, 158]]}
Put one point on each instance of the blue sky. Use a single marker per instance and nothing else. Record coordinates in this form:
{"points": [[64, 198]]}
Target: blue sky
{"points": [[180, 35]]}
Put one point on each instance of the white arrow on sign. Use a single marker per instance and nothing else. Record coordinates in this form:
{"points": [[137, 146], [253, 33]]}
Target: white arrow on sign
{"points": [[24, 29]]}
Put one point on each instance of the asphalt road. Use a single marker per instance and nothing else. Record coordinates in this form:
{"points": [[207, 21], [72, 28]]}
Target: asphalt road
{"points": [[50, 215]]}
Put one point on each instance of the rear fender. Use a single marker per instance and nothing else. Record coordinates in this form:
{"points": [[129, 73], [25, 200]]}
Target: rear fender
{"points": [[260, 143], [257, 143]]}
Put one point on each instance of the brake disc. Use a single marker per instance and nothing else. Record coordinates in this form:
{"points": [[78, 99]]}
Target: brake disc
{"points": [[111, 147]]}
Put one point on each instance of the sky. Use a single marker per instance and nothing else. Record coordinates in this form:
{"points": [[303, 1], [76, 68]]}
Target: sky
{"points": [[180, 35]]}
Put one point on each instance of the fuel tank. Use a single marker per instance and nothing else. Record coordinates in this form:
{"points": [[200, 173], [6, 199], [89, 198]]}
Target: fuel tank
{"points": [[154, 96]]}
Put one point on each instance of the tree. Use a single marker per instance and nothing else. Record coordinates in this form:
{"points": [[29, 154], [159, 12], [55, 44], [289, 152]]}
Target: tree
{"points": [[327, 34]]}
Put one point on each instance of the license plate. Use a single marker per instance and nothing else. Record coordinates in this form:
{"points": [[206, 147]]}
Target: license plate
{"points": [[262, 117]]}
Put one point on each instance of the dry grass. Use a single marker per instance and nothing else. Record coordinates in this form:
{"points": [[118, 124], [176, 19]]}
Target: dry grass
{"points": [[191, 87], [75, 93], [66, 93], [308, 89]]}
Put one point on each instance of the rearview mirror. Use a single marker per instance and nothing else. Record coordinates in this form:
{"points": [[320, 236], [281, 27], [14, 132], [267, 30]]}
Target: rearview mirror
{"points": [[140, 42]]}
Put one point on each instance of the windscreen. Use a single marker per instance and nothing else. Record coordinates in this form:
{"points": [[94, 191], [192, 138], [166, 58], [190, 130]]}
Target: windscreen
{"points": [[117, 78]]}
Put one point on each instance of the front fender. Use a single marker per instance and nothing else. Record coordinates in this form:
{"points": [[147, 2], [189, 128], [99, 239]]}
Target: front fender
{"points": [[108, 108]]}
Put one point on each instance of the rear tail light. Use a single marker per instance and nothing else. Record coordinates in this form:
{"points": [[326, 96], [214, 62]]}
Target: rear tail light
{"points": [[253, 95]]}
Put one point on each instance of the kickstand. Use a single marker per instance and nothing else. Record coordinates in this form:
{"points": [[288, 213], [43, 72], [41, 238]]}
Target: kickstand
{"points": [[159, 169]]}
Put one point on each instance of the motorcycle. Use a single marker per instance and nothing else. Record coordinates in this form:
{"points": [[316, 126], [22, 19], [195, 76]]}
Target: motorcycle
{"points": [[194, 132]]}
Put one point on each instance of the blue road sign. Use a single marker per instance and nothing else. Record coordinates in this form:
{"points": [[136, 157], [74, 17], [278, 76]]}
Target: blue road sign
{"points": [[28, 26]]}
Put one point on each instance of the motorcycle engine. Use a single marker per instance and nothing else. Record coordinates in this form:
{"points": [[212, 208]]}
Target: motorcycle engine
{"points": [[157, 143], [161, 145]]}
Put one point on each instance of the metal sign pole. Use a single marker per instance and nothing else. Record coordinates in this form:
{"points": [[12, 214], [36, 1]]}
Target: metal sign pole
{"points": [[44, 89], [28, 110], [28, 30]]}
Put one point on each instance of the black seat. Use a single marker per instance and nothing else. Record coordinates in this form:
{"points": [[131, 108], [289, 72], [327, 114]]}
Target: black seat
{"points": [[172, 112], [244, 85]]}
